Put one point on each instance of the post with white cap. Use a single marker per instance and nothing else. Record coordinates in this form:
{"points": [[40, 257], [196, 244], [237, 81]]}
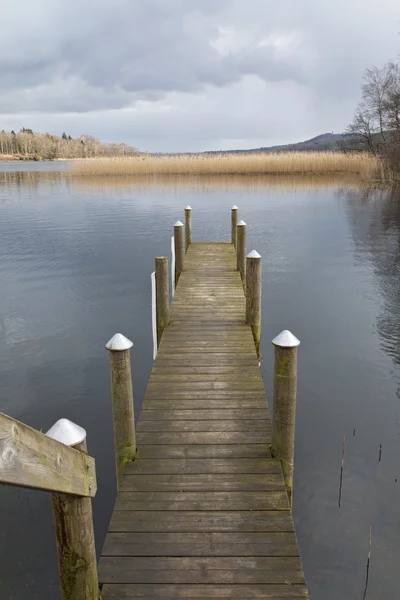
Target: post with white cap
{"points": [[179, 250], [188, 226], [253, 296], [241, 250], [284, 419], [122, 401], [73, 524], [162, 295], [234, 218]]}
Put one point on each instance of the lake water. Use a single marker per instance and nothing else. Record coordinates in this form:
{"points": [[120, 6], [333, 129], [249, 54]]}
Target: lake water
{"points": [[75, 268]]}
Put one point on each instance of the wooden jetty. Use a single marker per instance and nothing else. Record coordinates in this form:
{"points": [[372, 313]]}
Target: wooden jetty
{"points": [[203, 508]]}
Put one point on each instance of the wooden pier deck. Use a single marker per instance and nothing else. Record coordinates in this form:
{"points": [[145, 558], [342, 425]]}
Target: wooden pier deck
{"points": [[202, 512]]}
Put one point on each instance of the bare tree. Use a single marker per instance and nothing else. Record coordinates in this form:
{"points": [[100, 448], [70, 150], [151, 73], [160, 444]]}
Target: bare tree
{"points": [[363, 128]]}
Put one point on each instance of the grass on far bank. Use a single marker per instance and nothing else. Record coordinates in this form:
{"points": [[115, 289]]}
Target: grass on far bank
{"points": [[261, 163]]}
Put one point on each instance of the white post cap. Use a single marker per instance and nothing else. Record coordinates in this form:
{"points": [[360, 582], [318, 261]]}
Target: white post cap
{"points": [[241, 223], [67, 432], [286, 340], [119, 343], [234, 207], [178, 224], [253, 254], [188, 207]]}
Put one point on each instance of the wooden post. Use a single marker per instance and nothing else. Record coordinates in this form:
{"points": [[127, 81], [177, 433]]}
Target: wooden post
{"points": [[253, 296], [241, 250], [122, 401], [162, 295], [73, 524], [188, 227], [179, 250], [284, 419], [234, 219]]}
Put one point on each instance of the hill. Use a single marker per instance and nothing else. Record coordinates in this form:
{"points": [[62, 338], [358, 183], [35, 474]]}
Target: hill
{"points": [[320, 143]]}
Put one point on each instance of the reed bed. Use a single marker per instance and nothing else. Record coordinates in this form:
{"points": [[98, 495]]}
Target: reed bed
{"points": [[261, 163]]}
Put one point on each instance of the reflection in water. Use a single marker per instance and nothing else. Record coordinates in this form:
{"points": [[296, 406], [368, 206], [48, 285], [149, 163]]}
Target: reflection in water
{"points": [[76, 259], [375, 221]]}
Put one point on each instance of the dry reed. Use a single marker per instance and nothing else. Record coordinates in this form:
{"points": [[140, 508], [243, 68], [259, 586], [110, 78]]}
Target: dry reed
{"points": [[296, 163]]}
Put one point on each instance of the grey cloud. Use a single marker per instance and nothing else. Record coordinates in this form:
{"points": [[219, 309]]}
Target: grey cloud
{"points": [[190, 74], [137, 47]]}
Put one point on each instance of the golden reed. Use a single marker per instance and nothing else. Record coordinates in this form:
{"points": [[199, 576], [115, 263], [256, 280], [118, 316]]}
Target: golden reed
{"points": [[261, 163]]}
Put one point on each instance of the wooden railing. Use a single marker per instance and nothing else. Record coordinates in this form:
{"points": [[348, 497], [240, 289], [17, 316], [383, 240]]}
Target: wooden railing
{"points": [[57, 462]]}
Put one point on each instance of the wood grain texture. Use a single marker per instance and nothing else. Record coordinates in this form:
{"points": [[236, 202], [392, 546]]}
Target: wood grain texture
{"points": [[30, 459], [202, 512]]}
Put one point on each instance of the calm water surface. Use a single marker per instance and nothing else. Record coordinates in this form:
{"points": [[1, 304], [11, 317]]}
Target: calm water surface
{"points": [[75, 268]]}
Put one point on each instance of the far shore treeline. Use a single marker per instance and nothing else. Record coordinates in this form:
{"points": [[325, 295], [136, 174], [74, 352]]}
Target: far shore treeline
{"points": [[28, 145]]}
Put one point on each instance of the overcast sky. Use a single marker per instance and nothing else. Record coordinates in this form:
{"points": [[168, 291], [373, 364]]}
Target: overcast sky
{"points": [[190, 75]]}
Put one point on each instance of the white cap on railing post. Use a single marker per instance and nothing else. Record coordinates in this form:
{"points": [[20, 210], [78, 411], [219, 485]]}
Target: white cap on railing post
{"points": [[188, 207], [286, 339], [285, 391], [119, 343], [67, 432]]}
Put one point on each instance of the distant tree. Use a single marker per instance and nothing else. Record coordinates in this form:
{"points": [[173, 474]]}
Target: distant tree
{"points": [[64, 136], [376, 122]]}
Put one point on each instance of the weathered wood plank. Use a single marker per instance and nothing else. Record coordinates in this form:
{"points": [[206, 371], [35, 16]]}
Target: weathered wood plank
{"points": [[204, 437], [206, 426], [210, 569], [203, 482], [148, 466], [203, 592], [152, 414], [245, 450], [202, 501], [209, 404], [30, 459], [200, 544]]}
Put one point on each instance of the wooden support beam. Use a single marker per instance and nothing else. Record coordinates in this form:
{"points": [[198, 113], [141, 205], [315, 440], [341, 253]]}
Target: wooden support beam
{"points": [[30, 459]]}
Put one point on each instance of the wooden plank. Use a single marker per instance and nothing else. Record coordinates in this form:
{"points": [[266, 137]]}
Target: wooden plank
{"points": [[202, 501], [203, 482], [151, 414], [206, 426], [209, 404], [245, 450], [203, 437], [200, 544], [210, 569], [30, 459], [202, 592], [194, 466]]}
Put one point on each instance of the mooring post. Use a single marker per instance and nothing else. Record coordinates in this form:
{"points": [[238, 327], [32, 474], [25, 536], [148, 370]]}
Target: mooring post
{"points": [[253, 296], [122, 400], [162, 295], [241, 250], [234, 218], [179, 250], [284, 417], [73, 525], [188, 226]]}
